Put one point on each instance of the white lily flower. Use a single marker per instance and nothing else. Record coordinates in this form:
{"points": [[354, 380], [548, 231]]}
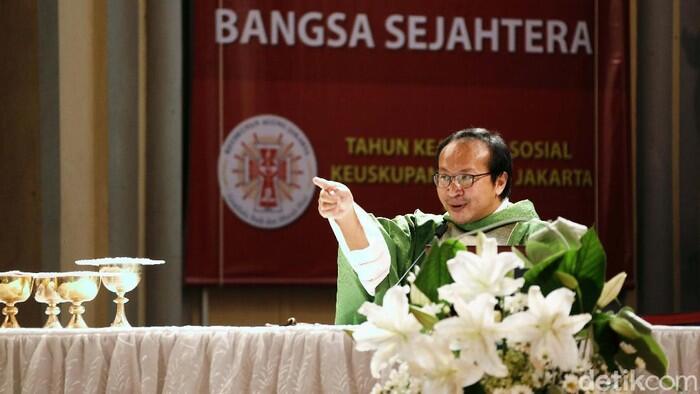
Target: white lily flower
{"points": [[474, 332], [548, 327], [440, 371], [483, 273], [390, 329]]}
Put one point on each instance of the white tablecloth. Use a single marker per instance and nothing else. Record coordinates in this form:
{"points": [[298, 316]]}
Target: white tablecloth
{"points": [[301, 359], [682, 347]]}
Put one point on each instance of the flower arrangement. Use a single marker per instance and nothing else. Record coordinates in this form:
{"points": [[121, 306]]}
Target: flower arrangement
{"points": [[467, 323]]}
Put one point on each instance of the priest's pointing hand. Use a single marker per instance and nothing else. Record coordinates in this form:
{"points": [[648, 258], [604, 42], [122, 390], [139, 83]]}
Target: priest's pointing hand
{"points": [[335, 202]]}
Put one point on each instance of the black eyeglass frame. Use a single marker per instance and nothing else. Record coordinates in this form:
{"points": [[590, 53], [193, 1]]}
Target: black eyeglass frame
{"points": [[461, 179]]}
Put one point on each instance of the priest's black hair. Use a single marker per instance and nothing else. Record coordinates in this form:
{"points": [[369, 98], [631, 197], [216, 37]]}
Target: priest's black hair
{"points": [[500, 160]]}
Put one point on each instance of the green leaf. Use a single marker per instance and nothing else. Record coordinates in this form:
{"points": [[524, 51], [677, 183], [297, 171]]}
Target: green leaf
{"points": [[425, 319], [647, 348], [652, 354], [542, 250], [585, 263], [553, 238], [433, 273], [625, 360], [542, 273], [588, 267], [649, 351], [640, 324], [528, 264], [606, 339]]}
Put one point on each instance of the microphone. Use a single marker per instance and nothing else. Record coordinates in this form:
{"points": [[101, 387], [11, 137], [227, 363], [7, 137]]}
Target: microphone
{"points": [[439, 232]]}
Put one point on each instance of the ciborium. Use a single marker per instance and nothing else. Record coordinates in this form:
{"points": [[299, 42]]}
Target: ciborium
{"points": [[15, 286], [78, 287], [46, 285], [122, 275]]}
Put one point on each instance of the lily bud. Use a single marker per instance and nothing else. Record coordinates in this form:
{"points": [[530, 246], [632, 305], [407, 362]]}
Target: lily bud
{"points": [[417, 297], [611, 289], [624, 328], [567, 280]]}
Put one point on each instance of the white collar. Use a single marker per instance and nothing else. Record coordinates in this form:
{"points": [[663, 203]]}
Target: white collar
{"points": [[504, 204]]}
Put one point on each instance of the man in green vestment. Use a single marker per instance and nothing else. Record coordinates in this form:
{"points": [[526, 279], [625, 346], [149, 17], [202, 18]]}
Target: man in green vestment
{"points": [[473, 183]]}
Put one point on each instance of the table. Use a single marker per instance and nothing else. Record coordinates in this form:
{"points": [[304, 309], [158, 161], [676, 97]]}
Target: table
{"points": [[682, 347], [300, 359]]}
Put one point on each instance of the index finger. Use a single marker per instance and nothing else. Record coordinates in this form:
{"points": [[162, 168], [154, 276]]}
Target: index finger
{"points": [[322, 183]]}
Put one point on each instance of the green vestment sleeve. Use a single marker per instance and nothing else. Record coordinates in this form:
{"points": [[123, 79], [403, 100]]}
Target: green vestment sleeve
{"points": [[405, 236]]}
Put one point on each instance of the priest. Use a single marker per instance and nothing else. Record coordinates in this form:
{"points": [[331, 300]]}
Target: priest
{"points": [[473, 184]]}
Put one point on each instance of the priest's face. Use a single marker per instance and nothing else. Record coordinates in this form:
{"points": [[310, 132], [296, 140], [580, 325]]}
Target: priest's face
{"points": [[463, 202]]}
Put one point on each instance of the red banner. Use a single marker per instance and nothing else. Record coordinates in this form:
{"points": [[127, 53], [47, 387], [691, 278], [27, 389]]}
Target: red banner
{"points": [[362, 92]]}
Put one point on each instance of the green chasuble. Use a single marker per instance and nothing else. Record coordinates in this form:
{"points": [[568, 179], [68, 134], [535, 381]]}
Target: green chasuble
{"points": [[406, 236]]}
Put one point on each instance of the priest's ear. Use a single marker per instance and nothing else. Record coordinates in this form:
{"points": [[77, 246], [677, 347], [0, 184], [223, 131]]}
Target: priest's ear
{"points": [[501, 183]]}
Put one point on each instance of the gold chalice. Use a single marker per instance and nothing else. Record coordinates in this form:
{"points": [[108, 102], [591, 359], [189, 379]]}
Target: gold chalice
{"points": [[78, 287], [122, 275], [15, 286], [46, 284]]}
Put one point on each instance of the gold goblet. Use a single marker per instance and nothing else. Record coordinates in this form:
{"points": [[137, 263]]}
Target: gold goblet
{"points": [[15, 286], [78, 287], [46, 284], [121, 275], [127, 277]]}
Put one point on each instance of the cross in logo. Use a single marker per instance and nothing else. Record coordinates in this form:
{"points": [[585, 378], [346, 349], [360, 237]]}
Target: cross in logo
{"points": [[269, 171]]}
